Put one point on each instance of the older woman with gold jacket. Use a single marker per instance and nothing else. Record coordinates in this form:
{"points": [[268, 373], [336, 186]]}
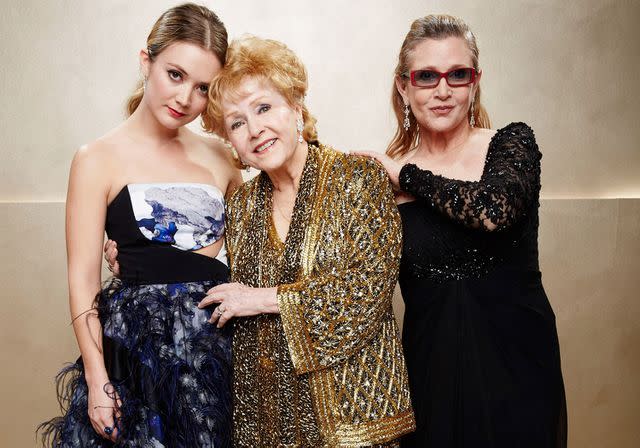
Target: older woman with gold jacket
{"points": [[314, 247]]}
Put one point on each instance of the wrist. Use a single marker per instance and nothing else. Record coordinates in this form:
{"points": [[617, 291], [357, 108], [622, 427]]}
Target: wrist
{"points": [[270, 301], [96, 378]]}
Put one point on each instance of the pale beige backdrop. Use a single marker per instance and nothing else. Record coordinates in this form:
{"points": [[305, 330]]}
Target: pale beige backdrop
{"points": [[569, 69]]}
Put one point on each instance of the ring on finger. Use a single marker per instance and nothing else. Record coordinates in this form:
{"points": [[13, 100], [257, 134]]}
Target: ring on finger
{"points": [[108, 430], [219, 311]]}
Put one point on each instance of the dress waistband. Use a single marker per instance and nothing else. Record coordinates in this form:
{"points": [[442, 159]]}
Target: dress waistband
{"points": [[163, 264]]}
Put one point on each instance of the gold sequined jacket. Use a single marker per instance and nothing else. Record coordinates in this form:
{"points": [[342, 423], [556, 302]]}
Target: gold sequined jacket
{"points": [[340, 346]]}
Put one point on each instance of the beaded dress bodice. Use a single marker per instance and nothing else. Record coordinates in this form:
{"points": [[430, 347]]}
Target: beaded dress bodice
{"points": [[460, 229]]}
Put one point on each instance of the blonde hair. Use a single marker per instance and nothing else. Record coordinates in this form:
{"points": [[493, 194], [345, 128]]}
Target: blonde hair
{"points": [[184, 23], [435, 26], [267, 59]]}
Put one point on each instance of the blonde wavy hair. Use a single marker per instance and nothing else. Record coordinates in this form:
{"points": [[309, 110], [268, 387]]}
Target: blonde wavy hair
{"points": [[267, 59], [435, 26]]}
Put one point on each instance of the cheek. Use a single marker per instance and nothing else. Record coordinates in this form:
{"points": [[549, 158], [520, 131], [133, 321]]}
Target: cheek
{"points": [[239, 142], [420, 97], [162, 87], [464, 96], [199, 103]]}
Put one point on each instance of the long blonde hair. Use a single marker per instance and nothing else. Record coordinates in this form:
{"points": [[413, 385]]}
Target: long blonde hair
{"points": [[184, 23], [435, 26]]}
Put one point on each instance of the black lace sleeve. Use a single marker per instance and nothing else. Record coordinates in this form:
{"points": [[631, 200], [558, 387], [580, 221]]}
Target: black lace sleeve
{"points": [[511, 180]]}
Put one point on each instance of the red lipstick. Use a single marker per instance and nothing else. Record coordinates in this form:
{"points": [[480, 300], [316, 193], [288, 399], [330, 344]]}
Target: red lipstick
{"points": [[174, 113]]}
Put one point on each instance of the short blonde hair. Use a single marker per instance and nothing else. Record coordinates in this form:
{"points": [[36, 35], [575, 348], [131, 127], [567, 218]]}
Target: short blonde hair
{"points": [[270, 60]]}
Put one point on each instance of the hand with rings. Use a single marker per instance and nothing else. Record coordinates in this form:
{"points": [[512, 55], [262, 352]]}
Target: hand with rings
{"points": [[238, 300], [104, 408]]}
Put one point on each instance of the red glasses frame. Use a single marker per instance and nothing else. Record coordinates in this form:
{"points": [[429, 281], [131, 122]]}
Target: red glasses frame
{"points": [[474, 73]]}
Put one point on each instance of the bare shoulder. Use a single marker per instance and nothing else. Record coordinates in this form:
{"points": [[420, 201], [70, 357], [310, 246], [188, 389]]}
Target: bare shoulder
{"points": [[483, 136], [99, 154], [212, 149]]}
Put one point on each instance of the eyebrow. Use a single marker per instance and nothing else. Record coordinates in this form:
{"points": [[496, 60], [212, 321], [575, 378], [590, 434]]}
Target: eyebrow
{"points": [[451, 67]]}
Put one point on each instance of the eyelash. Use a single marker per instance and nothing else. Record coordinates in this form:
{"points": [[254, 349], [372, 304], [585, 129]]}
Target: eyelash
{"points": [[174, 75]]}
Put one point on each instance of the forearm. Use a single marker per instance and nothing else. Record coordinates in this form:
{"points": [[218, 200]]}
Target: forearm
{"points": [[87, 329]]}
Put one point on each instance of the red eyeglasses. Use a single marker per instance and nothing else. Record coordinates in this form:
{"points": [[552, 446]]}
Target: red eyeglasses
{"points": [[457, 77]]}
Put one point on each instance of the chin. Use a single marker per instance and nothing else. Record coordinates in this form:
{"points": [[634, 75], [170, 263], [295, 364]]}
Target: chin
{"points": [[446, 125], [269, 164]]}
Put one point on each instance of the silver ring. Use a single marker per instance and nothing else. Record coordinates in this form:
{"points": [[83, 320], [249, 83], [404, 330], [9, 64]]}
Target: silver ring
{"points": [[108, 430], [220, 313]]}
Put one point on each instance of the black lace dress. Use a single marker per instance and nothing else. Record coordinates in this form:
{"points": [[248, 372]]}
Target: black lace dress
{"points": [[479, 333]]}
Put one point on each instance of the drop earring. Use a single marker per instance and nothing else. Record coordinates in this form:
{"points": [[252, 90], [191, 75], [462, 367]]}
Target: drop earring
{"points": [[406, 124], [472, 119], [300, 128]]}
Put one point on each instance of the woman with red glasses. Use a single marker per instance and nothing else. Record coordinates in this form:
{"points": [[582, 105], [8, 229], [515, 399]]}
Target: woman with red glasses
{"points": [[479, 333]]}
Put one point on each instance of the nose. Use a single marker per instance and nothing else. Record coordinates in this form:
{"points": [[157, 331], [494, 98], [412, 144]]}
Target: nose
{"points": [[183, 98], [442, 89], [254, 125]]}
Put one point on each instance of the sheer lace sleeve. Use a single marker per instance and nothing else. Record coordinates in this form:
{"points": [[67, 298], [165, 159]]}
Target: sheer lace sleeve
{"points": [[511, 181]]}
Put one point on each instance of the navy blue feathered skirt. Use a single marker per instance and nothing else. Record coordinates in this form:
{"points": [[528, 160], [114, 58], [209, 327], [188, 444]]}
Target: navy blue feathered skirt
{"points": [[169, 366]]}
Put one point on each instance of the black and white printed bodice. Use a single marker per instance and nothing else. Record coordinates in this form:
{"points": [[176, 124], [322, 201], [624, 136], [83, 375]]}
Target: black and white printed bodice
{"points": [[158, 227]]}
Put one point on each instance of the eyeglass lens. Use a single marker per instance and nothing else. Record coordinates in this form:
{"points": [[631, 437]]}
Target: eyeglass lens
{"points": [[457, 77]]}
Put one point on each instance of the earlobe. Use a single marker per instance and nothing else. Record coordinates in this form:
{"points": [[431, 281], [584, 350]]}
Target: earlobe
{"points": [[401, 88]]}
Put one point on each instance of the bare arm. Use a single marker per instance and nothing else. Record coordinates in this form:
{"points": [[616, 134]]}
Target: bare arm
{"points": [[85, 221]]}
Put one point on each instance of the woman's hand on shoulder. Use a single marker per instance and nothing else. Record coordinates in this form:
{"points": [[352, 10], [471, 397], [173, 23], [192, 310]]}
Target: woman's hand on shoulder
{"points": [[391, 166]]}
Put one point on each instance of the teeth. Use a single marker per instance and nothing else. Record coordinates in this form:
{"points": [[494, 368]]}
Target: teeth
{"points": [[265, 145]]}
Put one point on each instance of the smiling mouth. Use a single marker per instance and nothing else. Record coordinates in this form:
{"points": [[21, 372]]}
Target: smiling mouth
{"points": [[442, 110], [265, 145]]}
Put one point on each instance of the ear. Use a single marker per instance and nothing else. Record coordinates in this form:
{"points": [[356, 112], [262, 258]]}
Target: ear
{"points": [[298, 111], [145, 63], [401, 86], [476, 83]]}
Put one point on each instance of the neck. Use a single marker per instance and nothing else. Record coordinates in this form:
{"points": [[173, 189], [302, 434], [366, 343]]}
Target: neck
{"points": [[144, 124], [287, 177], [441, 142]]}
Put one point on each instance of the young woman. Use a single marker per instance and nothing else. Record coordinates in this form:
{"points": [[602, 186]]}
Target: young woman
{"points": [[152, 371]]}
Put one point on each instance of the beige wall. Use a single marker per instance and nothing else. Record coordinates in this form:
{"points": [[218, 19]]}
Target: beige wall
{"points": [[568, 69]]}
